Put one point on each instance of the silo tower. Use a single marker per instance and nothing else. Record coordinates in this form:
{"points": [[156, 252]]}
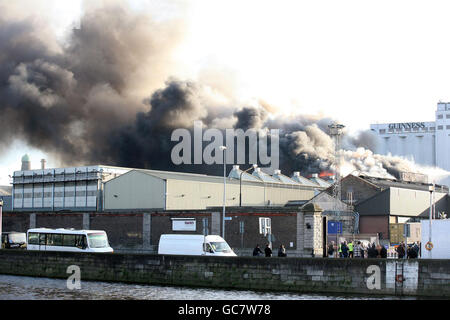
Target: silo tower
{"points": [[26, 164]]}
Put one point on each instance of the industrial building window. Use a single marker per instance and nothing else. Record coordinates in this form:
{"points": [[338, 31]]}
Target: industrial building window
{"points": [[432, 128], [382, 131], [447, 116], [447, 127], [440, 127], [265, 226], [440, 116]]}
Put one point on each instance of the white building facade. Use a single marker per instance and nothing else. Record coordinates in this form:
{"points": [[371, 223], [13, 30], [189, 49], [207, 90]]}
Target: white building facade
{"points": [[426, 143]]}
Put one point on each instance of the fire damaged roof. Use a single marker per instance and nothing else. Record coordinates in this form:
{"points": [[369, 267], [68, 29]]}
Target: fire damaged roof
{"points": [[385, 183]]}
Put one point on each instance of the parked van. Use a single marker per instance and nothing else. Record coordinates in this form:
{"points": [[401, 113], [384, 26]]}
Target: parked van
{"points": [[194, 245], [14, 240]]}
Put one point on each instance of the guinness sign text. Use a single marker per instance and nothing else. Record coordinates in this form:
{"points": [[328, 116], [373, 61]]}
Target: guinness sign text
{"points": [[407, 125]]}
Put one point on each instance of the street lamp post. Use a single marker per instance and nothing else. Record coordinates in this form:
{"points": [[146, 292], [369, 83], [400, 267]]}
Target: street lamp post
{"points": [[240, 183], [1, 221], [431, 189], [223, 148]]}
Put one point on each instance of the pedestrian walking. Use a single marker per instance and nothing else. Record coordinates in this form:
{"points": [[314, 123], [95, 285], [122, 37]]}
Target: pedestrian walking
{"points": [[268, 251], [383, 252], [357, 250], [401, 250], [363, 251], [350, 249], [344, 250], [331, 250], [282, 251], [372, 251], [257, 251]]}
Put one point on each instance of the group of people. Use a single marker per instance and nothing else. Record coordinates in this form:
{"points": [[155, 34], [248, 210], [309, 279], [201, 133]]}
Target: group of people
{"points": [[350, 250], [357, 250], [410, 252], [268, 251]]}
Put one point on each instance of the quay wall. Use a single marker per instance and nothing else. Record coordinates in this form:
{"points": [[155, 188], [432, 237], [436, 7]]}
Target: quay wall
{"points": [[301, 275]]}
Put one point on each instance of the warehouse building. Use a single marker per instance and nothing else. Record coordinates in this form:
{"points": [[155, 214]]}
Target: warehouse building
{"points": [[152, 189], [383, 204], [72, 188], [86, 188]]}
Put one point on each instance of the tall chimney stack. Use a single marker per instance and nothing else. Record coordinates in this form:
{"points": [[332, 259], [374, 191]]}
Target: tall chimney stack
{"points": [[43, 161]]}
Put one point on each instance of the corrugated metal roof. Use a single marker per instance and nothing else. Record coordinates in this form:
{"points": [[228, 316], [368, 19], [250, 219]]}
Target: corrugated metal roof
{"points": [[387, 183], [303, 181], [284, 179], [264, 176], [181, 175], [236, 174], [320, 182]]}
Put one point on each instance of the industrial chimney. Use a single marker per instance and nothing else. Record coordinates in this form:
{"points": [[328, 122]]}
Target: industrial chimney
{"points": [[26, 164], [43, 161]]}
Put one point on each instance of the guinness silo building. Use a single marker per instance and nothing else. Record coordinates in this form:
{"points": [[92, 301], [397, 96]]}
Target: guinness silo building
{"points": [[426, 143]]}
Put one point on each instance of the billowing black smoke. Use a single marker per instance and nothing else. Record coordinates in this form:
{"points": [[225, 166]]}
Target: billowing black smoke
{"points": [[99, 98]]}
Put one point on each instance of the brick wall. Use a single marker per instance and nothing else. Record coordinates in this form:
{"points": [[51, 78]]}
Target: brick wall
{"points": [[14, 222], [59, 220], [141, 231], [123, 230], [308, 275], [374, 224]]}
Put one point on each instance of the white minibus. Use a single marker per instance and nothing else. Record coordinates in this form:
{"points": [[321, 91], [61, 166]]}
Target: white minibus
{"points": [[44, 239]]}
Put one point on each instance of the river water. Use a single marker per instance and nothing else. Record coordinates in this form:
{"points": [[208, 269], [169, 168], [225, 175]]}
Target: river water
{"points": [[31, 288]]}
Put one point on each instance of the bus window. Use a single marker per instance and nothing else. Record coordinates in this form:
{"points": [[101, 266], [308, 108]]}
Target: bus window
{"points": [[80, 241], [42, 239], [69, 240], [57, 239], [98, 240], [33, 238]]}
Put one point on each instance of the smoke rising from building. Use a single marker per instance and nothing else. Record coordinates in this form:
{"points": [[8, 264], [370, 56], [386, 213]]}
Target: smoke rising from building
{"points": [[107, 96]]}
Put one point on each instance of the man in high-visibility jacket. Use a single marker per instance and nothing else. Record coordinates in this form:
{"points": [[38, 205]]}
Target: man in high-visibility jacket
{"points": [[340, 250], [350, 249]]}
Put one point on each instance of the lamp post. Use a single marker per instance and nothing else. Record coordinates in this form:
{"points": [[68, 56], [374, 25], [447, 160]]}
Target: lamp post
{"points": [[431, 189], [240, 183], [223, 148], [336, 132], [1, 221]]}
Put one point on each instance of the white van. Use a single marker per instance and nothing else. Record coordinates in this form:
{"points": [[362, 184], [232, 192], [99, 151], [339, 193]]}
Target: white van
{"points": [[44, 239], [194, 245]]}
